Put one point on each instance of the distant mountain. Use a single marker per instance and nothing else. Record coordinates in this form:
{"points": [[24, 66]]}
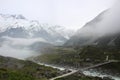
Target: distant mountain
{"points": [[17, 26], [103, 30], [87, 34]]}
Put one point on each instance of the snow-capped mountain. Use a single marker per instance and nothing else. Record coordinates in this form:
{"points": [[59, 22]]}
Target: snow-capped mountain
{"points": [[17, 26], [102, 30]]}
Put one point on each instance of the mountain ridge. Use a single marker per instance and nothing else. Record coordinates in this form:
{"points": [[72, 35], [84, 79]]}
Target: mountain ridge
{"points": [[17, 26], [103, 30]]}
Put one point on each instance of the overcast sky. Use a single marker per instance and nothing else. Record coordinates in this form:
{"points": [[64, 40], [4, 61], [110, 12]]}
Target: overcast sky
{"points": [[69, 13]]}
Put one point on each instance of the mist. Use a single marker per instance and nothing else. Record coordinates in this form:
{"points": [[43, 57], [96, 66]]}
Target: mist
{"points": [[18, 47], [69, 13], [105, 26], [16, 53], [106, 23]]}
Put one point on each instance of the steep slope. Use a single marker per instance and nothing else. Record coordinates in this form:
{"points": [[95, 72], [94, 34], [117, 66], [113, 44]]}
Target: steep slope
{"points": [[15, 69], [87, 34], [102, 30]]}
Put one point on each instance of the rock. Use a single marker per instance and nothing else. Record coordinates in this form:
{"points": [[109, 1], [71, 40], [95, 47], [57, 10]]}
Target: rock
{"points": [[107, 78]]}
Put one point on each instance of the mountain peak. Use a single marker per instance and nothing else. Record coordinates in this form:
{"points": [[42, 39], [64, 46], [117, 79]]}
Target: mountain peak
{"points": [[19, 16], [12, 16], [102, 30], [18, 26]]}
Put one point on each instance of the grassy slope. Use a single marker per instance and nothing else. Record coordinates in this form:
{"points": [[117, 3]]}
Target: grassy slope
{"points": [[60, 56], [77, 57], [80, 57], [14, 69]]}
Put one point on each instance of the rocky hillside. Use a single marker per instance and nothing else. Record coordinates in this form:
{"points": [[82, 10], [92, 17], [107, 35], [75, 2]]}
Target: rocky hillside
{"points": [[14, 69]]}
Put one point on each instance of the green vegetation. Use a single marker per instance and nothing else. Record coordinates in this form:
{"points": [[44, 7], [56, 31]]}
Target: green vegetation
{"points": [[95, 53], [14, 75], [79, 57], [112, 68], [60, 56], [79, 77], [14, 69]]}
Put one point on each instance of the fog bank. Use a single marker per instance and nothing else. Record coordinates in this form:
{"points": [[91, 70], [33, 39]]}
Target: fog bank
{"points": [[18, 47]]}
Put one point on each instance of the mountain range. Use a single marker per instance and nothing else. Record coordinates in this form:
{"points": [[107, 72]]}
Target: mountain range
{"points": [[17, 26], [103, 30]]}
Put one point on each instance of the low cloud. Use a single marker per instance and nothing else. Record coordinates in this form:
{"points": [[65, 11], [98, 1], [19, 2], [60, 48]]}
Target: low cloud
{"points": [[18, 47], [106, 23]]}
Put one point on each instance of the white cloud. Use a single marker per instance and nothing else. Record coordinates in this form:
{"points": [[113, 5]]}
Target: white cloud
{"points": [[68, 13]]}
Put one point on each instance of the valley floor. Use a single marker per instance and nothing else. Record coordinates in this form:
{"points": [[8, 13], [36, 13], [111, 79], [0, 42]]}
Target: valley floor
{"points": [[75, 57]]}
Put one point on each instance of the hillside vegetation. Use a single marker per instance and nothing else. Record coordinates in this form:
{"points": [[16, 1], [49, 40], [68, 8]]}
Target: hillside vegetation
{"points": [[79, 57], [78, 76], [14, 69]]}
